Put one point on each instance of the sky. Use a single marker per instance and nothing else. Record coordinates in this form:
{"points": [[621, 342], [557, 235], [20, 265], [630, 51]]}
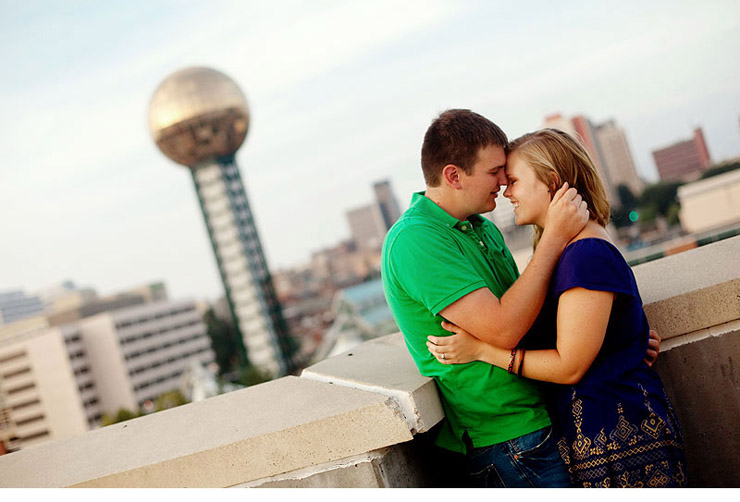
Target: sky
{"points": [[340, 94]]}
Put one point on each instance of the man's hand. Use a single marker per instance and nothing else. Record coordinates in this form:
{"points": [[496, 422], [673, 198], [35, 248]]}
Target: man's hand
{"points": [[653, 348], [567, 215]]}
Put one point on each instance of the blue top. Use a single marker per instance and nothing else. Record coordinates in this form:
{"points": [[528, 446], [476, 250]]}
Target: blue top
{"points": [[619, 404]]}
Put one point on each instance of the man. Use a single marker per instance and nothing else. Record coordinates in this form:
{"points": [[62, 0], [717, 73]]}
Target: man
{"points": [[443, 261]]}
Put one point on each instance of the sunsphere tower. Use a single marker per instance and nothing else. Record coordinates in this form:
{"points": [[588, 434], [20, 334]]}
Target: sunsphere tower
{"points": [[199, 118]]}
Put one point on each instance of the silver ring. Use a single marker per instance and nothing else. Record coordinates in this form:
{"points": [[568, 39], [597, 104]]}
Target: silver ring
{"points": [[443, 356]]}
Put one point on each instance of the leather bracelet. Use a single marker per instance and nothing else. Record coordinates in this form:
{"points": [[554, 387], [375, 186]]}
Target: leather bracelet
{"points": [[521, 363]]}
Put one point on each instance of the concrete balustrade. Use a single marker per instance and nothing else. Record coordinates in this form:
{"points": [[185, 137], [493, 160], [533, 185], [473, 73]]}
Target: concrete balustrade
{"points": [[356, 420]]}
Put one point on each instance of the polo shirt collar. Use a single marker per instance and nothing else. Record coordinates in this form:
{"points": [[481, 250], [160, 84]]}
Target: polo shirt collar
{"points": [[427, 207]]}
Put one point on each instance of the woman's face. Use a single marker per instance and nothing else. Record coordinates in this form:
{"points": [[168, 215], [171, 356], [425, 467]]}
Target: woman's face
{"points": [[529, 196]]}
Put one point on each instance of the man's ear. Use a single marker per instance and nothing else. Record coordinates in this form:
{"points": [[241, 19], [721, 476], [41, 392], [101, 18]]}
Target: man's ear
{"points": [[451, 176]]}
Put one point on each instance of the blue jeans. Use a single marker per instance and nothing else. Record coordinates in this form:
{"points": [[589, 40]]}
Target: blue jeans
{"points": [[528, 461]]}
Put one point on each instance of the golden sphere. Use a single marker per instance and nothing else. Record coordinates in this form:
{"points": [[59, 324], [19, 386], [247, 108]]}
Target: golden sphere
{"points": [[198, 114]]}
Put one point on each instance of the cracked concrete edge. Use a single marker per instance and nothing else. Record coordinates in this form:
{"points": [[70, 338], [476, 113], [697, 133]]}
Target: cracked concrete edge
{"points": [[701, 334], [307, 472], [407, 402]]}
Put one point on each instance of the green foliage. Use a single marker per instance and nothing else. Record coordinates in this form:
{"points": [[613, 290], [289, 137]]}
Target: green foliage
{"points": [[620, 217], [252, 375], [626, 197], [657, 200], [121, 416], [628, 202], [165, 401], [169, 400], [672, 214], [715, 170], [647, 213], [224, 341]]}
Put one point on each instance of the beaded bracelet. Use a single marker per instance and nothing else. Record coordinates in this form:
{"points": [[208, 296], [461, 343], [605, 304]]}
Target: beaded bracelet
{"points": [[511, 361]]}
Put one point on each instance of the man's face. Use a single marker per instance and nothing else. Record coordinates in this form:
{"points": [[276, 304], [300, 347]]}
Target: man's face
{"points": [[481, 186]]}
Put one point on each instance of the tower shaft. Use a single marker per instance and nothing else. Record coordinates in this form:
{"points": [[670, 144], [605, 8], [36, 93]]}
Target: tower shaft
{"points": [[265, 339]]}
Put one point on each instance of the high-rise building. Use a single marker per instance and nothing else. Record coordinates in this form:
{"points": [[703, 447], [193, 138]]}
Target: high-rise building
{"points": [[581, 128], [683, 161], [199, 118], [387, 202], [369, 224], [607, 146], [617, 157]]}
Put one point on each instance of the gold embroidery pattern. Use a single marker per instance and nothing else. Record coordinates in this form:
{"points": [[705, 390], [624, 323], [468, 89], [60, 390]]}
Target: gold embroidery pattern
{"points": [[629, 456]]}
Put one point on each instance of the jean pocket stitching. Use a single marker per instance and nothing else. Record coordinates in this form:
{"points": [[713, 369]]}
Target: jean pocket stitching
{"points": [[529, 451]]}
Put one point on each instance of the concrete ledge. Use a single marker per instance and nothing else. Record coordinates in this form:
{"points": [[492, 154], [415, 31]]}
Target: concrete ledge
{"points": [[394, 467], [694, 290], [703, 382], [262, 431], [384, 366]]}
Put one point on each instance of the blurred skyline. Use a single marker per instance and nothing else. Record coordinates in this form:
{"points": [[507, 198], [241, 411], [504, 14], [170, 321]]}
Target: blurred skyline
{"points": [[340, 95]]}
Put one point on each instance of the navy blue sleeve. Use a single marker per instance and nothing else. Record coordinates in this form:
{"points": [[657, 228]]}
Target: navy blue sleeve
{"points": [[593, 264]]}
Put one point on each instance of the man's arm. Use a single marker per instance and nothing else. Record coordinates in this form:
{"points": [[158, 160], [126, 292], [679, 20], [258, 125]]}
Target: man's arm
{"points": [[504, 322]]}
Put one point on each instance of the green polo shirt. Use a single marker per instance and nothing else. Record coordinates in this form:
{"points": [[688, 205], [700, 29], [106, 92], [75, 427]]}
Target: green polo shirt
{"points": [[430, 260]]}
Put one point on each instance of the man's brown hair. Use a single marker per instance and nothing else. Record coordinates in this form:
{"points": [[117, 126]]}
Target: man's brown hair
{"points": [[455, 137]]}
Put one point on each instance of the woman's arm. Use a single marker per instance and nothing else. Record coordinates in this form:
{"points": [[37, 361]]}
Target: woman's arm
{"points": [[582, 319]]}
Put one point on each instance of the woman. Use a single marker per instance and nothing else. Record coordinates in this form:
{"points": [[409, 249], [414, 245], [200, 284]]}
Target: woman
{"points": [[616, 425]]}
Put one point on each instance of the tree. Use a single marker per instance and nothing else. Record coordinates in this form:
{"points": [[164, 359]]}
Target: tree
{"points": [[626, 197], [658, 199], [251, 375], [620, 216], [121, 416], [169, 400], [224, 341], [720, 169]]}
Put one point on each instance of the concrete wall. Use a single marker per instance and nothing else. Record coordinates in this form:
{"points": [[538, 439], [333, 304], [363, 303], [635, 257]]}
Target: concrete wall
{"points": [[360, 419], [693, 300]]}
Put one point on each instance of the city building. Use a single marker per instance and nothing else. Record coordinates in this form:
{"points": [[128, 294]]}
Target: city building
{"points": [[387, 202], [138, 353], [368, 224], [199, 118], [684, 160], [617, 157], [46, 386], [609, 149], [65, 296], [361, 313], [76, 305], [58, 381], [16, 305], [581, 128], [710, 203]]}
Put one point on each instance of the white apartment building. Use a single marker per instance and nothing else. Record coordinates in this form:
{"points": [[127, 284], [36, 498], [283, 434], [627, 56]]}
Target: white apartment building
{"points": [[46, 386], [56, 382], [138, 353]]}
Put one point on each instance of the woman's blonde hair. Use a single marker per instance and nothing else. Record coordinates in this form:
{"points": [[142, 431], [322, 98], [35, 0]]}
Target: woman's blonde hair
{"points": [[557, 157]]}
